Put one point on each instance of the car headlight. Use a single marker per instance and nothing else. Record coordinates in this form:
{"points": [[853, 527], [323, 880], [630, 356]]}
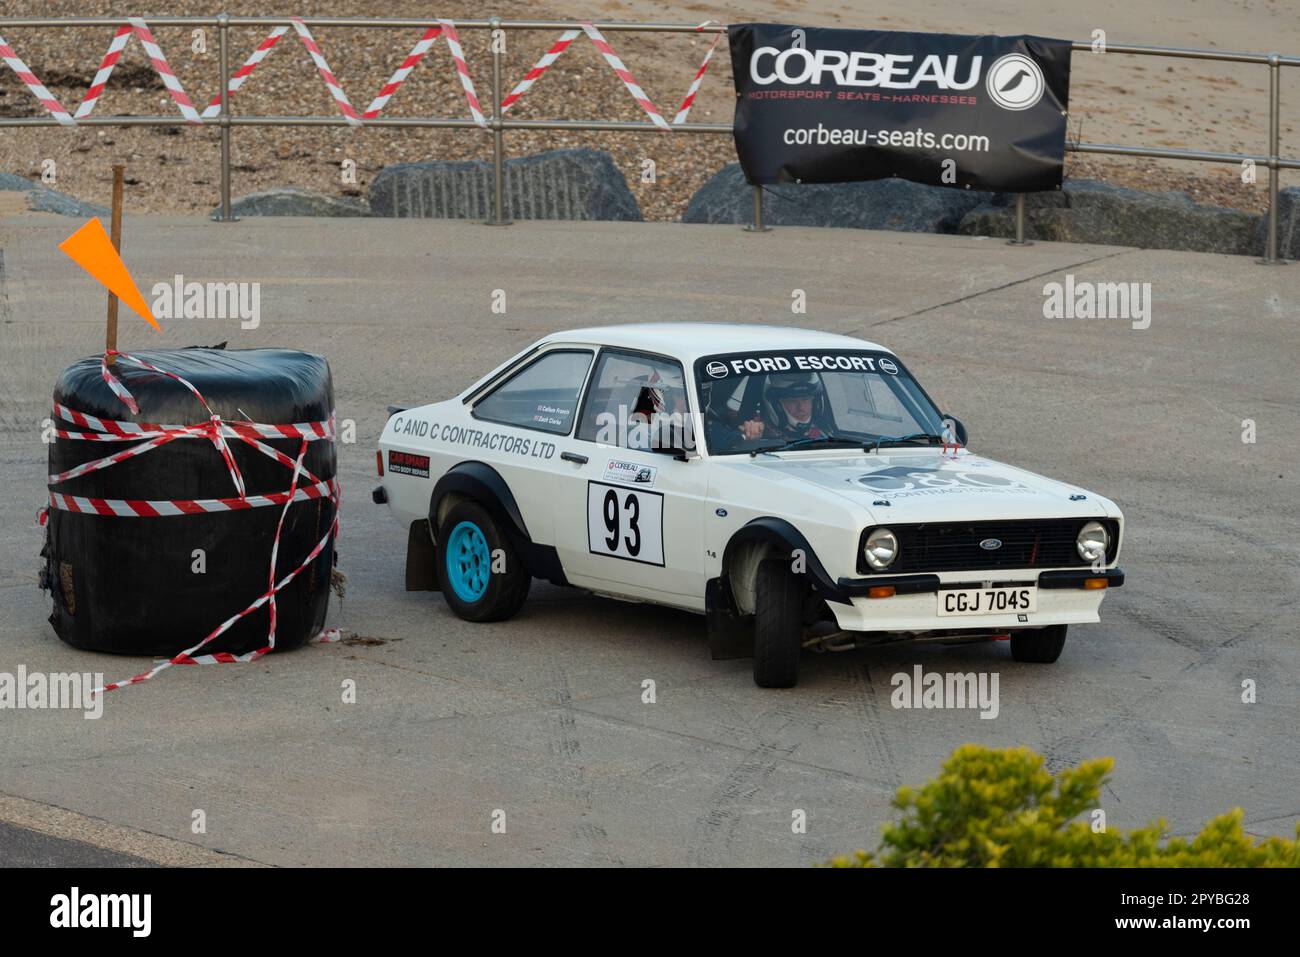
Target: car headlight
{"points": [[880, 549], [1093, 542]]}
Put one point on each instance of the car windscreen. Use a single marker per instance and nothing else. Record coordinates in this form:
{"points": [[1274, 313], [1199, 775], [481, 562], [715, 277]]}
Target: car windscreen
{"points": [[759, 399]]}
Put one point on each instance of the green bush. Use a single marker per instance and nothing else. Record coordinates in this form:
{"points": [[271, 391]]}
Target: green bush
{"points": [[1000, 808]]}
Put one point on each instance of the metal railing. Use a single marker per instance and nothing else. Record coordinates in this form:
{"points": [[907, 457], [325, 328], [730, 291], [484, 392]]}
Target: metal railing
{"points": [[497, 124]]}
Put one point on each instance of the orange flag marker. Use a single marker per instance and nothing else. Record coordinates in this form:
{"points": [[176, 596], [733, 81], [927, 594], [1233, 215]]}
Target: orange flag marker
{"points": [[91, 249]]}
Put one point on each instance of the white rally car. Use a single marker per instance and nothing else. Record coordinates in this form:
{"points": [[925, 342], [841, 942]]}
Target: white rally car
{"points": [[798, 488]]}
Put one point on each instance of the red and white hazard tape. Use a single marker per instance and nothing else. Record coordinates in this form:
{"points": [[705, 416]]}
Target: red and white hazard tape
{"points": [[446, 28], [241, 75], [164, 69], [109, 430], [620, 69], [105, 70], [335, 88], [134, 26], [542, 65], [139, 28], [226, 658], [217, 431], [46, 98], [689, 100], [214, 432], [462, 68], [625, 75], [142, 508], [398, 78]]}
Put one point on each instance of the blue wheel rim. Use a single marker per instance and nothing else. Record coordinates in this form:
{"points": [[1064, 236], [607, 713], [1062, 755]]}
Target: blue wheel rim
{"points": [[469, 562]]}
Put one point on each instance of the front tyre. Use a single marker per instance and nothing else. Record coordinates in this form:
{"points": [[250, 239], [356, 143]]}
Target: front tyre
{"points": [[778, 624], [1038, 645], [480, 572]]}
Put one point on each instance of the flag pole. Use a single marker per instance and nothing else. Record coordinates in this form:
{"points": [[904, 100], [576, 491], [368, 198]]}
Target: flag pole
{"points": [[110, 338]]}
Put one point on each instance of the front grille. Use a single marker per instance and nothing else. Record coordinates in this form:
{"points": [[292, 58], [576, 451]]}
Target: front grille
{"points": [[955, 546]]}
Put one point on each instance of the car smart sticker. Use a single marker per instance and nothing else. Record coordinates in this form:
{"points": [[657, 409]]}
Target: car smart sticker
{"points": [[407, 463], [625, 523], [633, 473]]}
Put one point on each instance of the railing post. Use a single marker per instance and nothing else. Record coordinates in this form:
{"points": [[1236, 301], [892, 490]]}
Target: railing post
{"points": [[223, 62], [1271, 256], [757, 225], [1020, 223], [498, 151]]}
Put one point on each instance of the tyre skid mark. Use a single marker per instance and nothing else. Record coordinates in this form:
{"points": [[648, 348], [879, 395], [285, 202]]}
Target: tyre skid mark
{"points": [[866, 703], [715, 830], [571, 773]]}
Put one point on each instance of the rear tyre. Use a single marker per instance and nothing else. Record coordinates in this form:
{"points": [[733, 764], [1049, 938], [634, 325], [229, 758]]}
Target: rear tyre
{"points": [[1038, 645], [481, 574], [778, 624]]}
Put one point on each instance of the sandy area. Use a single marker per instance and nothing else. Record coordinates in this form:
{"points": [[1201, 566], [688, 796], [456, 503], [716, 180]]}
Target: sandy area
{"points": [[1115, 98]]}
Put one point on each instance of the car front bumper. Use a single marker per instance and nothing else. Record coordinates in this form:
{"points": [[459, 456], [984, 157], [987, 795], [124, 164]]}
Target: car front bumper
{"points": [[914, 607]]}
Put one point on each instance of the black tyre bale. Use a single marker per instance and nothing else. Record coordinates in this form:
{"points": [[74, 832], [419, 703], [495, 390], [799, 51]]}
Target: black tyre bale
{"points": [[126, 585]]}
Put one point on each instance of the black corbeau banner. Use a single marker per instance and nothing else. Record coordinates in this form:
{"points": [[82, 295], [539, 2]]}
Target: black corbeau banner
{"points": [[833, 106]]}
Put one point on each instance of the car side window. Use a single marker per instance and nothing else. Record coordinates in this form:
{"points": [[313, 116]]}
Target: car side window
{"points": [[637, 402], [542, 395]]}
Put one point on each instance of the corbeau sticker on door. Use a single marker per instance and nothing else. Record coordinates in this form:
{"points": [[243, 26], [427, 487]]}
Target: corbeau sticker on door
{"points": [[625, 523], [633, 473]]}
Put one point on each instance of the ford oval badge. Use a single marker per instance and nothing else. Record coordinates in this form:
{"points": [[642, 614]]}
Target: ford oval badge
{"points": [[991, 544]]}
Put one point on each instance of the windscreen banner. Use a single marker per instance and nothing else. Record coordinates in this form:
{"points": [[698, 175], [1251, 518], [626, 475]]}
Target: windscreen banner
{"points": [[818, 105]]}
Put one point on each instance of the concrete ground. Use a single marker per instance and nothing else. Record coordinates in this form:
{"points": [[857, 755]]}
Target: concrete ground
{"points": [[541, 717]]}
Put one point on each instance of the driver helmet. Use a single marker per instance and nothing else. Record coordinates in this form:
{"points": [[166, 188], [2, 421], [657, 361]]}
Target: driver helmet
{"points": [[789, 385]]}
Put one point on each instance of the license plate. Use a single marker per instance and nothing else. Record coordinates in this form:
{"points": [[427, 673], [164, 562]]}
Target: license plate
{"points": [[987, 601]]}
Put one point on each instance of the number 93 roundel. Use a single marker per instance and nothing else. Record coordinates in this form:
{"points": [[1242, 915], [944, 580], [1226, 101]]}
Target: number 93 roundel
{"points": [[625, 523]]}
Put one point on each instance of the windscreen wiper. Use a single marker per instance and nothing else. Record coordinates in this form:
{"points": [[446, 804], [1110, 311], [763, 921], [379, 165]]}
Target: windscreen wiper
{"points": [[806, 440], [881, 441]]}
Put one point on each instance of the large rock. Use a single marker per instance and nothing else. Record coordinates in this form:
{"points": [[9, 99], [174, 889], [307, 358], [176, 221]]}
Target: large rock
{"points": [[45, 200], [50, 201], [1090, 211], [558, 184], [1288, 224], [12, 182], [292, 201], [895, 204]]}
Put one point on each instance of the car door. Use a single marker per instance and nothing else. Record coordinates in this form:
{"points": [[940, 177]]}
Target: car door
{"points": [[630, 519], [520, 427]]}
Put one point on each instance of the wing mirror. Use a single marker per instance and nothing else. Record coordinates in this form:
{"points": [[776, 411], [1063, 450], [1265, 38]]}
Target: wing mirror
{"points": [[676, 437]]}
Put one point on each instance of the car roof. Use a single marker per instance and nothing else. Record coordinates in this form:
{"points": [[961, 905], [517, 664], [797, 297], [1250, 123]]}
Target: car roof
{"points": [[689, 341]]}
